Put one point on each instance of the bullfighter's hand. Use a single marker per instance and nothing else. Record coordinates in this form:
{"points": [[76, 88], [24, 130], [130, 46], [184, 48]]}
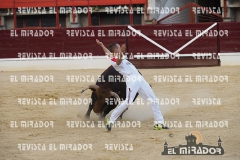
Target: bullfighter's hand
{"points": [[99, 43], [123, 48]]}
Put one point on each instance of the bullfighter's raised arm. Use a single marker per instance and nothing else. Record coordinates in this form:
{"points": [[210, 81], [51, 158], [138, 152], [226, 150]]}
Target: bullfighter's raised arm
{"points": [[115, 52], [120, 55], [107, 52]]}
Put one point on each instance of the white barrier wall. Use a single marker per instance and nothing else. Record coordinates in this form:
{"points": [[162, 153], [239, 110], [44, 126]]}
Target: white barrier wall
{"points": [[230, 59], [98, 62], [54, 64]]}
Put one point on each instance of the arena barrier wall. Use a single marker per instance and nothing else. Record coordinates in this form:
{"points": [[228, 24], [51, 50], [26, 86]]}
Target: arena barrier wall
{"points": [[215, 50]]}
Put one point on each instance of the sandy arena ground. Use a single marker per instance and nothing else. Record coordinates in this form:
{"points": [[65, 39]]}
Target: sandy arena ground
{"points": [[146, 142]]}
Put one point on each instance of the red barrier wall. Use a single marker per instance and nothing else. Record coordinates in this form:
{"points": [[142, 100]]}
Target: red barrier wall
{"points": [[232, 42], [60, 42], [10, 46]]}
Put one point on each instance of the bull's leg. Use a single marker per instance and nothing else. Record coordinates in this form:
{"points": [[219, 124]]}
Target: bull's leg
{"points": [[105, 111], [101, 117], [87, 115], [90, 108], [108, 109]]}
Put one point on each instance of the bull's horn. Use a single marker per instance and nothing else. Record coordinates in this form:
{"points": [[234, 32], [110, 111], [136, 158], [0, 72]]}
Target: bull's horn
{"points": [[116, 96], [93, 86]]}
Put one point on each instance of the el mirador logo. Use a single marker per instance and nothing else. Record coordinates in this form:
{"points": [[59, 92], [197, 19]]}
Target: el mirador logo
{"points": [[194, 146]]}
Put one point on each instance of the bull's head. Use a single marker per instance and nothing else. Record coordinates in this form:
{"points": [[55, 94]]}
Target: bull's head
{"points": [[102, 94]]}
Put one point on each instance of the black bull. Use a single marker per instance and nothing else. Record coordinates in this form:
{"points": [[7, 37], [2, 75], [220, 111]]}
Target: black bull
{"points": [[116, 85]]}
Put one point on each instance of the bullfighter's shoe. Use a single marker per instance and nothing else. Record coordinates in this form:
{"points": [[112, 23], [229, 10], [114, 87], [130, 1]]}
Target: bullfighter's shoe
{"points": [[159, 127], [109, 125]]}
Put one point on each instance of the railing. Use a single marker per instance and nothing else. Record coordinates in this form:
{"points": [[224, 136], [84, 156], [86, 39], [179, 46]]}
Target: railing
{"points": [[191, 13], [52, 3]]}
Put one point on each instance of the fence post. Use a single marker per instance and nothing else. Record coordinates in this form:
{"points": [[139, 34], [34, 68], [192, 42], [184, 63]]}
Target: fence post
{"points": [[192, 16]]}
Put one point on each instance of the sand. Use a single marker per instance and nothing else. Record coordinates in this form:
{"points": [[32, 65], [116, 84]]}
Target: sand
{"points": [[144, 142]]}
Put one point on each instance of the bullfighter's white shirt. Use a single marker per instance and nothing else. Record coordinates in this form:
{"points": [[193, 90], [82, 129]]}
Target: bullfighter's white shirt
{"points": [[126, 68]]}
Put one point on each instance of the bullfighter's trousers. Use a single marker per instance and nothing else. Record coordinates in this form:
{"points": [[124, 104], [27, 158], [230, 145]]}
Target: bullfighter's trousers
{"points": [[134, 84]]}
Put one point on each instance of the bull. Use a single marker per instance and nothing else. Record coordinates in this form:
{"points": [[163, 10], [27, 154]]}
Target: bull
{"points": [[109, 87]]}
